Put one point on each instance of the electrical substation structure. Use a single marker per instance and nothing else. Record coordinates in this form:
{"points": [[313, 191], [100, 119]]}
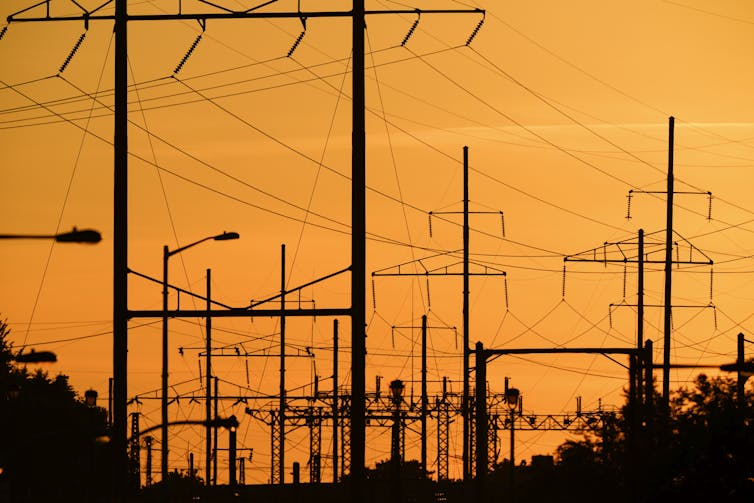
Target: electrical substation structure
{"points": [[346, 411], [640, 251], [41, 12]]}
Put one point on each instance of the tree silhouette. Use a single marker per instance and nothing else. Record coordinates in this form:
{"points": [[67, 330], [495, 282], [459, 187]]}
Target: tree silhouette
{"points": [[700, 450], [53, 447]]}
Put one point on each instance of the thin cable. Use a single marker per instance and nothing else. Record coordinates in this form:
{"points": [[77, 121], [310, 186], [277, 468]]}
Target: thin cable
{"points": [[395, 168], [321, 163], [65, 202]]}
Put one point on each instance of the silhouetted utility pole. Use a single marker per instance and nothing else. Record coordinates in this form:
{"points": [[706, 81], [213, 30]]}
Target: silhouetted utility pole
{"points": [[281, 392], [482, 423], [668, 271], [579, 421], [466, 274], [208, 386], [148, 441], [121, 313], [669, 242], [740, 378], [335, 404], [638, 251], [214, 432], [135, 452], [424, 405]]}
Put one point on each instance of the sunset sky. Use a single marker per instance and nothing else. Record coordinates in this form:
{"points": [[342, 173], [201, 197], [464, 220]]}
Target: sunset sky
{"points": [[564, 107]]}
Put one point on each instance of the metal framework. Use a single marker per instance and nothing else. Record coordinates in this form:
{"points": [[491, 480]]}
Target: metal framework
{"points": [[134, 451], [315, 444], [357, 311], [443, 437]]}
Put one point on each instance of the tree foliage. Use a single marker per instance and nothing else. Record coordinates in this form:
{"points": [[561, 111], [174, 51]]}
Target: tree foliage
{"points": [[51, 445], [700, 450]]}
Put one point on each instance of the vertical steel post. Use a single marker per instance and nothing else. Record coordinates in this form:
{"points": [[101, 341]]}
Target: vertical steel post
{"points": [[135, 453], [358, 258], [214, 432], [648, 392], [120, 254], [282, 365], [741, 379], [481, 422], [640, 318], [232, 456], [466, 350], [668, 272], [512, 474], [110, 401], [208, 387], [148, 480], [633, 426], [424, 397], [164, 375], [395, 451], [335, 402]]}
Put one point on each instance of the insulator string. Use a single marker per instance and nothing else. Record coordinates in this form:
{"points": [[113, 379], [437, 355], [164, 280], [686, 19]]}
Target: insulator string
{"points": [[70, 54], [474, 33], [410, 32], [188, 54]]}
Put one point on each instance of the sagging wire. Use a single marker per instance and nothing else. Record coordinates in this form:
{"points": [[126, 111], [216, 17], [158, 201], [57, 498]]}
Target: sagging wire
{"points": [[476, 30], [203, 24], [412, 29], [73, 51], [299, 39]]}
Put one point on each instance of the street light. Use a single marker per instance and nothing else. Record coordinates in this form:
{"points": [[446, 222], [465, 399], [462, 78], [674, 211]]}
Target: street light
{"points": [[512, 398], [75, 236], [166, 254], [35, 357]]}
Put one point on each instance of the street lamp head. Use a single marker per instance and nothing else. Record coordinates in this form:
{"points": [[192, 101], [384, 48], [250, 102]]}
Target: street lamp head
{"points": [[511, 398], [746, 368], [396, 388], [226, 236], [36, 357], [79, 236]]}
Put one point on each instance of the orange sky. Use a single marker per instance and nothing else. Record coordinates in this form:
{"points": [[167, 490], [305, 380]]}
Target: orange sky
{"points": [[564, 108]]}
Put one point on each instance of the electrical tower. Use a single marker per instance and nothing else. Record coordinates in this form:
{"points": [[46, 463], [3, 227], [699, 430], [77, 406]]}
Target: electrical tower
{"points": [[40, 12]]}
